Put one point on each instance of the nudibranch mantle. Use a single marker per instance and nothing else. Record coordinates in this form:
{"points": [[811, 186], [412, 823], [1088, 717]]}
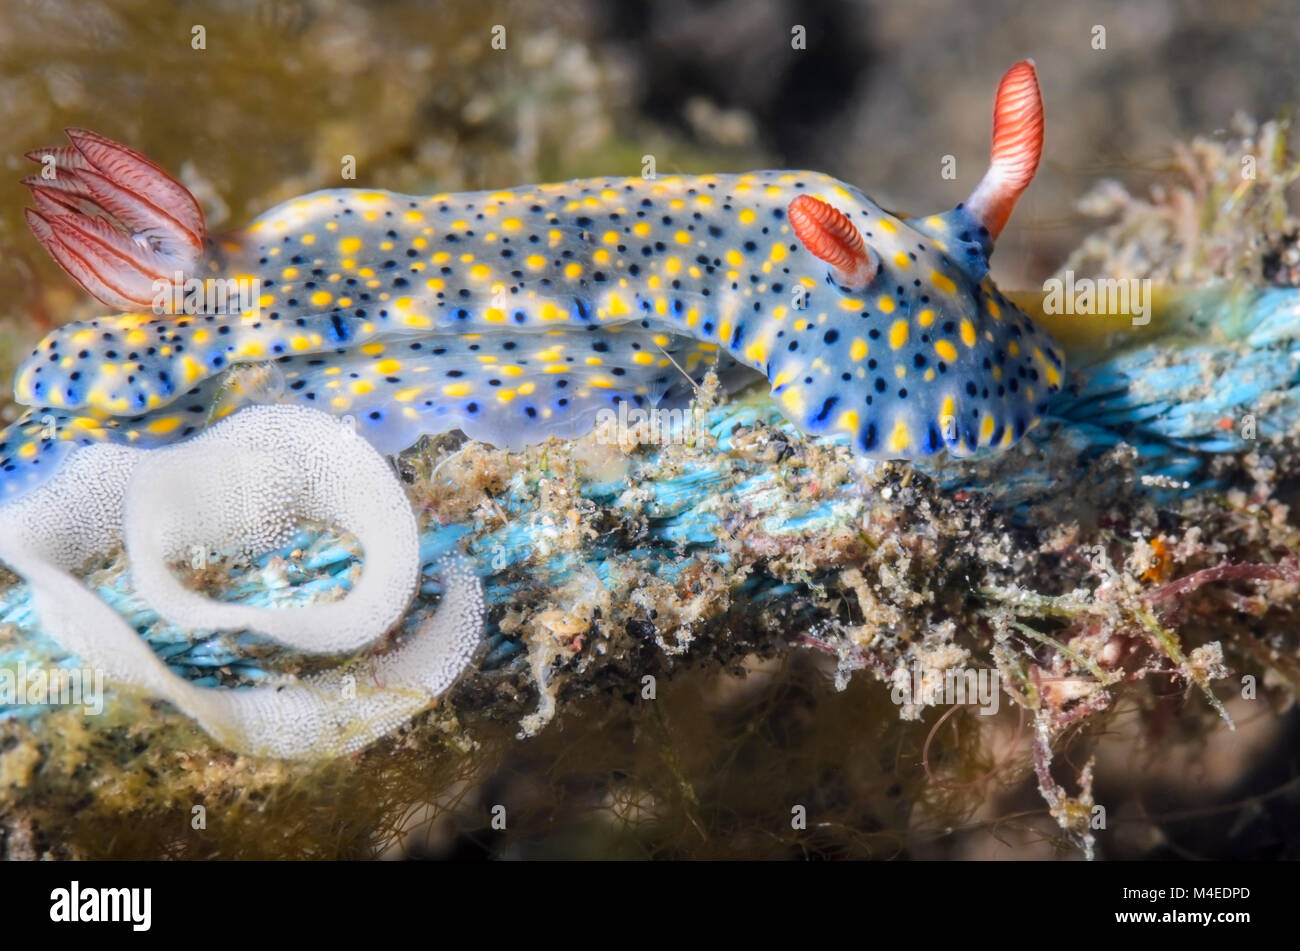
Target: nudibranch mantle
{"points": [[516, 314]]}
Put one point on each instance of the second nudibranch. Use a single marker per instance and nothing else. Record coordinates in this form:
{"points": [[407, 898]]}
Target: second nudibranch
{"points": [[517, 314]]}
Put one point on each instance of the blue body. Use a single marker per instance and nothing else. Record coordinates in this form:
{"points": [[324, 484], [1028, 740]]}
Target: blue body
{"points": [[519, 314]]}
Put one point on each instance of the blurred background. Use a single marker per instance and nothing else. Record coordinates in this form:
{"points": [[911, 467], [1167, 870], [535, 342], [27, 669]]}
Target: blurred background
{"points": [[251, 102]]}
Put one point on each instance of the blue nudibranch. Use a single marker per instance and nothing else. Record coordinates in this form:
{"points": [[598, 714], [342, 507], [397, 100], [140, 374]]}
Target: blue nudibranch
{"points": [[513, 315]]}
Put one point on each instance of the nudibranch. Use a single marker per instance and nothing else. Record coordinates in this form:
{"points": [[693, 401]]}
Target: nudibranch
{"points": [[516, 314]]}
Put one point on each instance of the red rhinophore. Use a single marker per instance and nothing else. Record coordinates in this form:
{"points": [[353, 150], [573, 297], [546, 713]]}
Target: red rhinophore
{"points": [[114, 220], [1017, 147], [829, 235]]}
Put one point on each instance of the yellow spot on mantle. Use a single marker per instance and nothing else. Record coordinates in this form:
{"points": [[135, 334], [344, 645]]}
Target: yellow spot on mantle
{"points": [[948, 416], [943, 282], [898, 334], [616, 306], [900, 438]]}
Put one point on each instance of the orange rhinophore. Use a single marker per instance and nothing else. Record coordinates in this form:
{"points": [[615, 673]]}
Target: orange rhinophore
{"points": [[829, 235], [1017, 147], [115, 221]]}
